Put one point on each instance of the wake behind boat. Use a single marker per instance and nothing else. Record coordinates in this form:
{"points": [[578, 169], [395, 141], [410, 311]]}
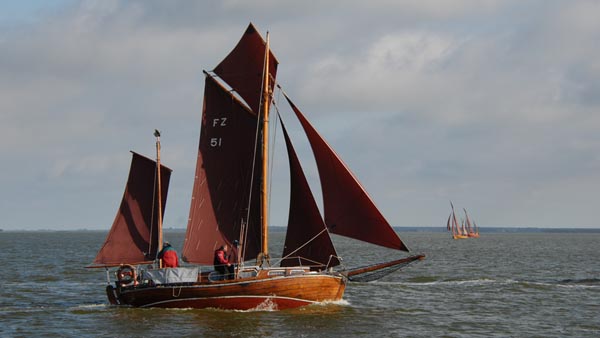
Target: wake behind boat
{"points": [[230, 206]]}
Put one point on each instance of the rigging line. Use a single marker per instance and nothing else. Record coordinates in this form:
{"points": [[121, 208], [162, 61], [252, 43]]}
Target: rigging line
{"points": [[331, 257], [300, 258], [305, 244], [244, 230]]}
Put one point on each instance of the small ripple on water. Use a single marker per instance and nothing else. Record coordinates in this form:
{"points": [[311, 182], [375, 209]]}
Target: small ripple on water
{"points": [[423, 279], [88, 307], [495, 294], [434, 281]]}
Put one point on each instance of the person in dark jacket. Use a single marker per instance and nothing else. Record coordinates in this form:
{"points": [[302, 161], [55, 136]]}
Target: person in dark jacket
{"points": [[168, 256], [221, 262]]}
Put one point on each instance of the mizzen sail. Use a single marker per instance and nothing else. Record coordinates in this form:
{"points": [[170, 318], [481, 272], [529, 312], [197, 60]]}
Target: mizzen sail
{"points": [[133, 237]]}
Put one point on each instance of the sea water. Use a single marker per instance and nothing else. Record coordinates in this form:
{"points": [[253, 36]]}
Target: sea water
{"points": [[501, 284]]}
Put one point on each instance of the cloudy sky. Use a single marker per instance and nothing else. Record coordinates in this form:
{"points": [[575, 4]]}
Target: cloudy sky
{"points": [[494, 105]]}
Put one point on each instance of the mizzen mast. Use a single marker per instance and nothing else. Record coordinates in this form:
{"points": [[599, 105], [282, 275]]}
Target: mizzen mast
{"points": [[264, 251], [158, 195]]}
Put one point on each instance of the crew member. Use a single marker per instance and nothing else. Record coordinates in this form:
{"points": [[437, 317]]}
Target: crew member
{"points": [[168, 256], [221, 262]]}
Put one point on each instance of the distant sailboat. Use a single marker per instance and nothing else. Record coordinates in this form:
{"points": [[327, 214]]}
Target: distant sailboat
{"points": [[230, 205], [472, 231], [453, 226]]}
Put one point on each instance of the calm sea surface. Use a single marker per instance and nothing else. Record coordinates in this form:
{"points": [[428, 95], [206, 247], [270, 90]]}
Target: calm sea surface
{"points": [[503, 285]]}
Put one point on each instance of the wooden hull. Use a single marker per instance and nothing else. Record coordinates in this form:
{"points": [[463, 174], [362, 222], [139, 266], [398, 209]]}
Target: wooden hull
{"points": [[281, 292], [460, 236]]}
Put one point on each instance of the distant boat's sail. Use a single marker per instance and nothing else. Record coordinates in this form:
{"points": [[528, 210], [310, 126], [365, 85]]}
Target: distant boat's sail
{"points": [[349, 211], [473, 231], [133, 238], [459, 231], [458, 227], [467, 222], [307, 241], [455, 227]]}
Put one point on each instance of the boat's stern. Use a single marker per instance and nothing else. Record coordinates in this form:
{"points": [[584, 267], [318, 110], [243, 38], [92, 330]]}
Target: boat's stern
{"points": [[113, 295]]}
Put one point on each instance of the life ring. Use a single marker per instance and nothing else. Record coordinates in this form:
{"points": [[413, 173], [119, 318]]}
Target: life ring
{"points": [[127, 275]]}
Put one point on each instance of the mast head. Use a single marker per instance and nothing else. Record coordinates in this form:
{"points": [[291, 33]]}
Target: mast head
{"points": [[156, 133]]}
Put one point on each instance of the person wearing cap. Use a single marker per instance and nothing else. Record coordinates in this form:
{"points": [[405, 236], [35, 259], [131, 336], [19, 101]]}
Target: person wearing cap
{"points": [[168, 256], [221, 262]]}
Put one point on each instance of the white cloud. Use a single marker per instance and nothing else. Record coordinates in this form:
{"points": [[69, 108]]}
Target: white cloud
{"points": [[485, 102]]}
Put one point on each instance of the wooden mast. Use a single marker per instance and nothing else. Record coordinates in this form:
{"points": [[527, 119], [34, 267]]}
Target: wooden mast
{"points": [[159, 195], [264, 252]]}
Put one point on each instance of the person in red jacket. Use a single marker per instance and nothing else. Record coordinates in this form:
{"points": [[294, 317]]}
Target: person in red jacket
{"points": [[222, 264], [168, 256]]}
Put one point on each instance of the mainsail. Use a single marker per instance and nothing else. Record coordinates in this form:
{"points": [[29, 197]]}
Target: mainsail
{"points": [[133, 237], [225, 194], [223, 185], [242, 69], [456, 229]]}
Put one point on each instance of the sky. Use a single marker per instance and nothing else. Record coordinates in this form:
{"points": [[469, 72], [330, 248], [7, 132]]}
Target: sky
{"points": [[494, 105]]}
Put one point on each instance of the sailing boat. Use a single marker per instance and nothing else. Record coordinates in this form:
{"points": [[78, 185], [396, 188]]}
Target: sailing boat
{"points": [[230, 205], [472, 231], [453, 226]]}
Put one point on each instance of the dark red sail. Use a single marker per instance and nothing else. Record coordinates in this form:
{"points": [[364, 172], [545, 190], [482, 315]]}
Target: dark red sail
{"points": [[349, 211], [243, 68], [226, 188], [224, 180], [307, 241], [133, 238]]}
